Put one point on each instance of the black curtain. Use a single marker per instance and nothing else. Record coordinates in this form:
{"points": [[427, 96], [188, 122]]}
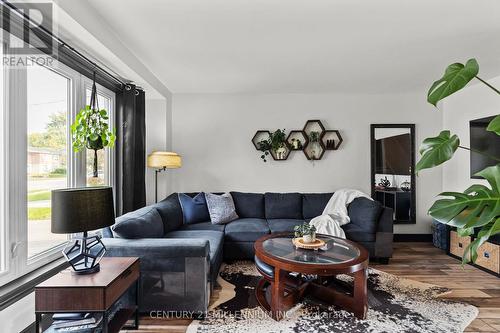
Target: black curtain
{"points": [[130, 150]]}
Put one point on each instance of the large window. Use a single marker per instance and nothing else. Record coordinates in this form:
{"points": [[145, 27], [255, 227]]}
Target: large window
{"points": [[48, 96], [37, 106]]}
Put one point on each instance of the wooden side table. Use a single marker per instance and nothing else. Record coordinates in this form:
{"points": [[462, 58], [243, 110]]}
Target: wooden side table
{"points": [[96, 293]]}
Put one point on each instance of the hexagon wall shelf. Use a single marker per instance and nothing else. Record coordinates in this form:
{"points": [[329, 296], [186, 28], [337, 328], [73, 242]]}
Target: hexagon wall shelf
{"points": [[295, 135], [331, 139], [313, 149]]}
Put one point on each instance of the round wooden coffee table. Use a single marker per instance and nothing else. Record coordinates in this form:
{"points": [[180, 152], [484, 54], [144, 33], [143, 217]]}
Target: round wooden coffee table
{"points": [[278, 290]]}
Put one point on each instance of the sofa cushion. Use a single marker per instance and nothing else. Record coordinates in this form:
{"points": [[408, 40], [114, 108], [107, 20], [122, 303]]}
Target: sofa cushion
{"points": [[221, 208], [171, 212], [194, 209], [142, 223], [283, 205], [203, 226], [283, 225], [215, 239], [249, 204], [365, 213], [246, 230], [313, 204], [355, 233]]}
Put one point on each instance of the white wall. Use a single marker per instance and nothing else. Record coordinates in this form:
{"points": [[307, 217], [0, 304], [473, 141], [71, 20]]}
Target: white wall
{"points": [[19, 315], [213, 133], [476, 101], [158, 121]]}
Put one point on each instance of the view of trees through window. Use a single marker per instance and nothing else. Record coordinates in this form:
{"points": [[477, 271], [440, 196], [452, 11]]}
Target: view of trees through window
{"points": [[47, 97]]}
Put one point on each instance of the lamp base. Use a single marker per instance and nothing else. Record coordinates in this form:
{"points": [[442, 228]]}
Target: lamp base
{"points": [[84, 254], [86, 271]]}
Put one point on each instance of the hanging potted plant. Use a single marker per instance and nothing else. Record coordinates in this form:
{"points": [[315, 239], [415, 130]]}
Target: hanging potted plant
{"points": [[91, 130]]}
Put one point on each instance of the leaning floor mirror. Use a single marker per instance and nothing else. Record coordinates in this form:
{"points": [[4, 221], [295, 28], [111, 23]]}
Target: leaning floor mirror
{"points": [[392, 165]]}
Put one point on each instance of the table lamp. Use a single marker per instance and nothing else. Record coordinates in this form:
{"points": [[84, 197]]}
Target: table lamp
{"points": [[161, 161], [76, 210]]}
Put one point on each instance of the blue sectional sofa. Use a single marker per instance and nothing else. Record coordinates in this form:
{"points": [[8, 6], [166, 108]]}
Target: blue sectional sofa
{"points": [[180, 262]]}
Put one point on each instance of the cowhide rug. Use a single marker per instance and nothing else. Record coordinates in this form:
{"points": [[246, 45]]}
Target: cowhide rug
{"points": [[395, 305]]}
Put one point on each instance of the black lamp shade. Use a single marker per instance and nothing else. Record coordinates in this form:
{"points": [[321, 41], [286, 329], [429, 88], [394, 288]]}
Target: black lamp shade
{"points": [[82, 209]]}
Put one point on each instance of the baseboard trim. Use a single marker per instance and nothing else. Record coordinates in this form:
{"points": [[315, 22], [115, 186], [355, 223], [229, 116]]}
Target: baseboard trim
{"points": [[413, 238]]}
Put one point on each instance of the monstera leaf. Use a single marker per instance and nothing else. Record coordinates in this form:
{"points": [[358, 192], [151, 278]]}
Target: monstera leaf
{"points": [[494, 125], [477, 207], [456, 76], [437, 150]]}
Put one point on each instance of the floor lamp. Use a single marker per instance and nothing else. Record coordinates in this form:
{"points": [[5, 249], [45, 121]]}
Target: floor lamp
{"points": [[161, 161]]}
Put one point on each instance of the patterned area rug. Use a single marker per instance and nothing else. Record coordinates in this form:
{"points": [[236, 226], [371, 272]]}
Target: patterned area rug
{"points": [[395, 305]]}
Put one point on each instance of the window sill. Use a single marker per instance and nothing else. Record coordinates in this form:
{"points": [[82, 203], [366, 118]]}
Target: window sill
{"points": [[24, 285]]}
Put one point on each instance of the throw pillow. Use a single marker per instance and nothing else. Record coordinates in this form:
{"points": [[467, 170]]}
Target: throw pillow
{"points": [[142, 223], [194, 210], [221, 208]]}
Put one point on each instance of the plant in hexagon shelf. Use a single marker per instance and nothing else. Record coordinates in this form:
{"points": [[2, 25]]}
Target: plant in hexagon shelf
{"points": [[275, 145], [476, 211]]}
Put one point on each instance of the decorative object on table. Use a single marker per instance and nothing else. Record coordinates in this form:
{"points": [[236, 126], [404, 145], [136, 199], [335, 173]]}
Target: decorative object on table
{"points": [[470, 211], [102, 299], [305, 231], [76, 210], [405, 186], [301, 243], [313, 140], [385, 183], [91, 129], [161, 161], [221, 208]]}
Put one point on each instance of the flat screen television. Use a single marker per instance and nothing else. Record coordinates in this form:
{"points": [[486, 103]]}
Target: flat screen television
{"points": [[484, 141]]}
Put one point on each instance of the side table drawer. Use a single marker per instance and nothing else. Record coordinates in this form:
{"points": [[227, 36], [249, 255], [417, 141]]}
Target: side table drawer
{"points": [[458, 244], [488, 256], [121, 284]]}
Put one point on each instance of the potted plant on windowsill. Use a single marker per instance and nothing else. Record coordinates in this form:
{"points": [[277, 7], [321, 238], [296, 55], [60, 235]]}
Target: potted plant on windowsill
{"points": [[91, 130]]}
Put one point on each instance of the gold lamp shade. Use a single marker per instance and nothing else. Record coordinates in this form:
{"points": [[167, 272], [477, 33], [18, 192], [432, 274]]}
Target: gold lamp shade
{"points": [[164, 159]]}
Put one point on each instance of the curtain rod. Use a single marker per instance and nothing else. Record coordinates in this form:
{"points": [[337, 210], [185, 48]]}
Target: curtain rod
{"points": [[106, 71]]}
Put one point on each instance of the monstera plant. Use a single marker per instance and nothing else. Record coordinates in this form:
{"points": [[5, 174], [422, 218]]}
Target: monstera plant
{"points": [[477, 209]]}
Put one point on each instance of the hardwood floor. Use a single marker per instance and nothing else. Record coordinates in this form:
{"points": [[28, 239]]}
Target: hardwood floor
{"points": [[420, 262]]}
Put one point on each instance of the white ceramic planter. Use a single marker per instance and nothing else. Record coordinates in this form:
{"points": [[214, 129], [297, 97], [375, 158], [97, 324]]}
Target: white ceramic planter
{"points": [[309, 238]]}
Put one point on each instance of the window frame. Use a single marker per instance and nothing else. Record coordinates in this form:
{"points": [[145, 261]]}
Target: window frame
{"points": [[13, 208]]}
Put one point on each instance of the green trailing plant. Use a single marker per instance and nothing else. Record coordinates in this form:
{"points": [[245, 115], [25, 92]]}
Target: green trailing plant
{"points": [[276, 140], [314, 136], [304, 229], [91, 130], [477, 209]]}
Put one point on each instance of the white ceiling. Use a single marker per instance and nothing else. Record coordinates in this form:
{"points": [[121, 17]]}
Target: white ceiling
{"points": [[305, 46]]}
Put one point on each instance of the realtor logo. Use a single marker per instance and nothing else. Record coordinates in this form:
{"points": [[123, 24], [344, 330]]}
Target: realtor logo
{"points": [[27, 29]]}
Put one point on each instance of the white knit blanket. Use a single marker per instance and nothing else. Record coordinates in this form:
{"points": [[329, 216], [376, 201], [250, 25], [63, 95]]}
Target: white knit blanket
{"points": [[335, 213]]}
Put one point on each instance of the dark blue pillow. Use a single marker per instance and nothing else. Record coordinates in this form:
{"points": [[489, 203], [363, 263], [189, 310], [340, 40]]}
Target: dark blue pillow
{"points": [[142, 223], [195, 209], [171, 212]]}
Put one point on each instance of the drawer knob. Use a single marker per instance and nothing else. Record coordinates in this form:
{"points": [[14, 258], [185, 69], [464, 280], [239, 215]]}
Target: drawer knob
{"points": [[460, 245], [486, 255]]}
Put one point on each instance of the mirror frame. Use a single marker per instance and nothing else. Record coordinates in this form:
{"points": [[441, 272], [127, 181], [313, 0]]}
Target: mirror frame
{"points": [[413, 197]]}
